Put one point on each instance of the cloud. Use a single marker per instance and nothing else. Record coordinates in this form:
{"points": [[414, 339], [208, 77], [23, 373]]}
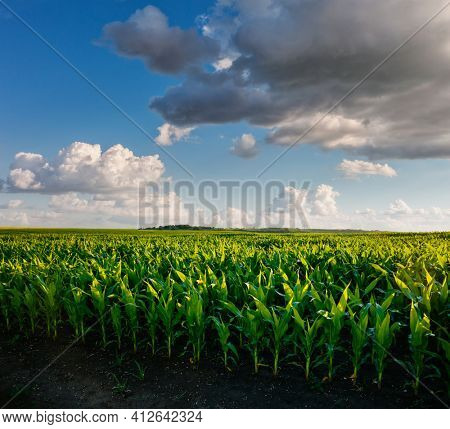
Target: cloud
{"points": [[147, 35], [14, 219], [87, 186], [212, 98], [244, 146], [168, 134], [235, 218], [107, 207], [322, 212], [223, 63], [282, 64], [83, 167], [399, 207], [12, 204], [357, 167], [365, 212], [287, 210], [401, 217], [33, 217], [324, 202]]}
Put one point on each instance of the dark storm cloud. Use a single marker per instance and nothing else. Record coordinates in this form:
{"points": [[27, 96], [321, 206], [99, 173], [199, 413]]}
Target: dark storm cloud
{"points": [[147, 35], [293, 59], [213, 99]]}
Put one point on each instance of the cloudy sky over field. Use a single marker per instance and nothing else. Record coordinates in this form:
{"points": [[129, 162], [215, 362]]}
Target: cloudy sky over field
{"points": [[226, 90]]}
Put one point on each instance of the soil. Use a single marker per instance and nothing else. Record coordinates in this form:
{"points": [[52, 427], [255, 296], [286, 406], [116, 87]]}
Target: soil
{"points": [[86, 376]]}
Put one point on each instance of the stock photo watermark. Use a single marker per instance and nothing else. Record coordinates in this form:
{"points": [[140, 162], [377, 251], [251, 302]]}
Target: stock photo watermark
{"points": [[248, 204]]}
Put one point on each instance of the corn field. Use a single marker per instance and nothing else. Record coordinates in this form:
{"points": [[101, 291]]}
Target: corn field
{"points": [[365, 301]]}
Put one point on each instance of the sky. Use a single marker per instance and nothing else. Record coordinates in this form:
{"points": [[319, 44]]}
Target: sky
{"points": [[99, 97]]}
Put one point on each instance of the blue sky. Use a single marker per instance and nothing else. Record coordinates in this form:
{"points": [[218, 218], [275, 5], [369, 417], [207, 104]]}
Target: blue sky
{"points": [[46, 106]]}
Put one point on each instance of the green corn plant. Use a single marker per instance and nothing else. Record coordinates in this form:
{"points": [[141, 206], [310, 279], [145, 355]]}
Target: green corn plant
{"points": [[238, 319], [223, 333], [359, 338], [31, 301], [116, 319], [334, 322], [444, 347], [307, 335], [4, 304], [129, 301], [382, 341], [195, 321], [377, 311], [168, 315], [253, 330], [71, 311], [49, 299], [140, 371], [279, 326], [76, 309], [418, 339], [296, 296], [220, 289], [147, 304], [98, 296], [17, 306]]}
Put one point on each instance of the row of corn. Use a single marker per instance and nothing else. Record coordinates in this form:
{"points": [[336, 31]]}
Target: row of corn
{"points": [[314, 300]]}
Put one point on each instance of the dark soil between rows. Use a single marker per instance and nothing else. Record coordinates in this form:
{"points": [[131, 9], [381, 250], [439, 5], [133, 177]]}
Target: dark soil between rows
{"points": [[87, 376]]}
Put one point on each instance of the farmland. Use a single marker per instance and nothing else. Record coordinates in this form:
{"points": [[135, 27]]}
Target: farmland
{"points": [[334, 312]]}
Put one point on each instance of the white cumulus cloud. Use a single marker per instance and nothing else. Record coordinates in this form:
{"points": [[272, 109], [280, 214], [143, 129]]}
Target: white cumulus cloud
{"points": [[244, 146], [399, 207], [83, 167], [358, 167], [169, 134], [12, 204], [324, 201]]}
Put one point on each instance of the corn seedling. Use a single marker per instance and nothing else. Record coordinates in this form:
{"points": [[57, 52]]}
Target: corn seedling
{"points": [[140, 371], [31, 301], [382, 341], [307, 336], [147, 305], [333, 324], [195, 320], [279, 325], [168, 314], [77, 310], [49, 298], [223, 333], [253, 331], [99, 302], [360, 338], [128, 299], [116, 319], [4, 305], [418, 338]]}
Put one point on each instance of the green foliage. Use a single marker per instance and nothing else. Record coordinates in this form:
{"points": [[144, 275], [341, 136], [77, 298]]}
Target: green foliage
{"points": [[317, 297], [195, 321], [128, 300], [99, 303], [308, 339], [334, 322], [358, 323], [418, 338], [382, 341], [279, 324], [223, 333], [116, 319]]}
